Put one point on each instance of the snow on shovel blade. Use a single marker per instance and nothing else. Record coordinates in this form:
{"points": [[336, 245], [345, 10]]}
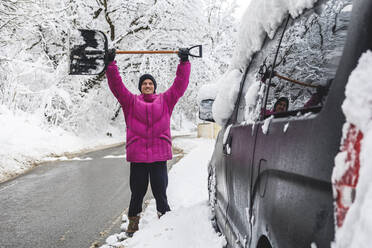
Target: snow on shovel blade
{"points": [[87, 52]]}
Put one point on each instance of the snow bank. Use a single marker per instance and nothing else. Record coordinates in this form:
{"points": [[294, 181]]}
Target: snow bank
{"points": [[261, 18], [188, 224], [357, 227], [25, 140]]}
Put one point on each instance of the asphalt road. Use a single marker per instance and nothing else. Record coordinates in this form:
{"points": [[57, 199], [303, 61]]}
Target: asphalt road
{"points": [[74, 203]]}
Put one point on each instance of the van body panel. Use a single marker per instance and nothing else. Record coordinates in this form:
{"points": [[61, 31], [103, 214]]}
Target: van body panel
{"points": [[277, 185]]}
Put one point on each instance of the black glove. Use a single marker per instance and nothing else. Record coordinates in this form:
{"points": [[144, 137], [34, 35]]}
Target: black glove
{"points": [[110, 56], [321, 90], [183, 53]]}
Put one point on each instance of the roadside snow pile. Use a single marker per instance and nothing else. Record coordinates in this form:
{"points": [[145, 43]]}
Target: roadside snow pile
{"points": [[357, 226], [24, 141], [188, 224], [261, 18]]}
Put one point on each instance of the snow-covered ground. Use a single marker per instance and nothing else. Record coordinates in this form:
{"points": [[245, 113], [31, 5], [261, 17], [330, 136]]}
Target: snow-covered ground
{"points": [[188, 224], [25, 141]]}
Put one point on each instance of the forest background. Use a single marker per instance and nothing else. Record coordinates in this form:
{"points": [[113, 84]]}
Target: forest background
{"points": [[34, 80]]}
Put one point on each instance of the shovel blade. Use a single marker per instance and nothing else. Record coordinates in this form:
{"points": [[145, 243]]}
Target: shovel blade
{"points": [[87, 52], [196, 51]]}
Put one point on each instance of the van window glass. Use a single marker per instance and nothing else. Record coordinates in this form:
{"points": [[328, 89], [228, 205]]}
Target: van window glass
{"points": [[249, 109], [308, 56]]}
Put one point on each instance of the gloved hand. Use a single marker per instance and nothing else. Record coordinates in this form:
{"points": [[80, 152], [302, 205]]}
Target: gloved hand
{"points": [[110, 56], [321, 90], [183, 53]]}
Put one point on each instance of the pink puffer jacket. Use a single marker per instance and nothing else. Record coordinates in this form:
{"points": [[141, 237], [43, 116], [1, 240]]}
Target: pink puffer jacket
{"points": [[148, 116]]}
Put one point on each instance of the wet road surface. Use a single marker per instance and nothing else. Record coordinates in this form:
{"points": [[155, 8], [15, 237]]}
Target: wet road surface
{"points": [[73, 203]]}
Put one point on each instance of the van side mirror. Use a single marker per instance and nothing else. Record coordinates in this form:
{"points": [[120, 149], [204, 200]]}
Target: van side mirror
{"points": [[205, 110]]}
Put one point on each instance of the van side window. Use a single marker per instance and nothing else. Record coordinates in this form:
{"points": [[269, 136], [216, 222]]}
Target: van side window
{"points": [[250, 104], [307, 61]]}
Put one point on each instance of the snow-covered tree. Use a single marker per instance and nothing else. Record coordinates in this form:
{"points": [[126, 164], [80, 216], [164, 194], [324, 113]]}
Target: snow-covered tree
{"points": [[34, 54]]}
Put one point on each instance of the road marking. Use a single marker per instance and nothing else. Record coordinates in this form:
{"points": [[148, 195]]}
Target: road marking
{"points": [[7, 186], [115, 156]]}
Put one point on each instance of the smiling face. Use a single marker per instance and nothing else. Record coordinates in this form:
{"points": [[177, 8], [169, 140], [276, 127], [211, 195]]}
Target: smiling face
{"points": [[281, 106], [147, 87]]}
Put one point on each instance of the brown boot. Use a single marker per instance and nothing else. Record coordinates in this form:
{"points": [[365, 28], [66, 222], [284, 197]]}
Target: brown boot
{"points": [[160, 215], [133, 225]]}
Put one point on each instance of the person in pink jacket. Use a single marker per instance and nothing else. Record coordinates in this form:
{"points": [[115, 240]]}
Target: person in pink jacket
{"points": [[149, 143]]}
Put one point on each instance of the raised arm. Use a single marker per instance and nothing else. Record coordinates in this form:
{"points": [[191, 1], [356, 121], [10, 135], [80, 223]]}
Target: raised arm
{"points": [[179, 85], [116, 85]]}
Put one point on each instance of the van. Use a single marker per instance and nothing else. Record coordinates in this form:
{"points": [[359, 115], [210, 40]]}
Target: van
{"points": [[270, 173]]}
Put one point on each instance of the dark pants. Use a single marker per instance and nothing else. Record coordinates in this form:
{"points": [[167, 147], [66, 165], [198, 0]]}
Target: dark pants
{"points": [[140, 173]]}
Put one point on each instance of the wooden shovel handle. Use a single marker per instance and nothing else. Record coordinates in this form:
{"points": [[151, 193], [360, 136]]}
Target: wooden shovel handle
{"points": [[145, 52], [294, 81]]}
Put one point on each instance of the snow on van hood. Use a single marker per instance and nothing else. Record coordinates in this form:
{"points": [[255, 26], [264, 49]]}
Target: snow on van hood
{"points": [[357, 107], [261, 18]]}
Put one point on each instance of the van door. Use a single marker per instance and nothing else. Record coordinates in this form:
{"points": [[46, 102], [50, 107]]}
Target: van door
{"points": [[240, 160], [292, 203], [239, 156], [219, 182]]}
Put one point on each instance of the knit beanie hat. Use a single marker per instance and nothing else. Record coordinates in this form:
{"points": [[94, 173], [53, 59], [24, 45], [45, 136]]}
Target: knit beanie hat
{"points": [[143, 78], [282, 99]]}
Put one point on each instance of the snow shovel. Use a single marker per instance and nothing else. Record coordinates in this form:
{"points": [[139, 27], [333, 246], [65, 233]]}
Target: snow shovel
{"points": [[88, 49], [265, 72]]}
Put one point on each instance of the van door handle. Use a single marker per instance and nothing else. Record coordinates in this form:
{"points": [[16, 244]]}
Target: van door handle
{"points": [[227, 146]]}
